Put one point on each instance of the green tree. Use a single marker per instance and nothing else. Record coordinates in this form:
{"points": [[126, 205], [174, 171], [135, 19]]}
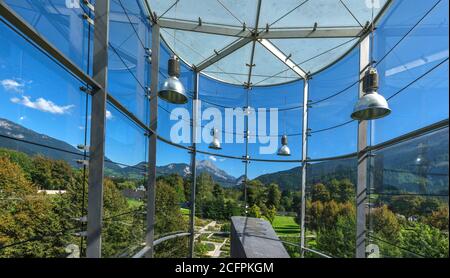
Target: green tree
{"points": [[320, 193], [385, 224], [254, 211], [27, 217], [273, 196], [270, 213], [424, 240]]}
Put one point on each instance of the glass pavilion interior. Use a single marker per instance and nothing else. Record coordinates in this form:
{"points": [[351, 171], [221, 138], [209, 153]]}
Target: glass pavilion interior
{"points": [[88, 162]]}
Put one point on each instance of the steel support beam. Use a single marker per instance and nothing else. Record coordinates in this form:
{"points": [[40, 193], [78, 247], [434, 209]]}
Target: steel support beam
{"points": [[223, 53], [235, 31], [361, 186], [283, 57], [194, 138], [304, 165], [151, 181], [204, 28], [324, 32], [97, 142]]}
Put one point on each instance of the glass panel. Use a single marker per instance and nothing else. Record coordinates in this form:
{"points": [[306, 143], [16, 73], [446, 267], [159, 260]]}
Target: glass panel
{"points": [[313, 55], [288, 99], [275, 189], [269, 69], [413, 78], [128, 65], [173, 187], [124, 192], [408, 203], [289, 13], [61, 23], [330, 207], [42, 179], [232, 12], [217, 200], [194, 47], [214, 114], [233, 68], [409, 226], [332, 95], [417, 166]]}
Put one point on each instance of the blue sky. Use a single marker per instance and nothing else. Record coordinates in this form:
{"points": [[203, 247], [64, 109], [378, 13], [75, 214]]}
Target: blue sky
{"points": [[38, 94]]}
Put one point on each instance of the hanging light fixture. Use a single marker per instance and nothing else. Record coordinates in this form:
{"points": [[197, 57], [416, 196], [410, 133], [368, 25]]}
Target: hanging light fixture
{"points": [[215, 144], [284, 149], [172, 89], [371, 105]]}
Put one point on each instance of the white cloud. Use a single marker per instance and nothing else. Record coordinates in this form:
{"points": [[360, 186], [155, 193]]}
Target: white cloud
{"points": [[43, 105], [109, 115], [12, 85], [213, 158]]}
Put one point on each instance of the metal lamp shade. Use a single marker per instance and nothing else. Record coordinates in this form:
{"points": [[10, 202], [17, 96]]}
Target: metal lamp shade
{"points": [[215, 144], [284, 149], [371, 106], [173, 91]]}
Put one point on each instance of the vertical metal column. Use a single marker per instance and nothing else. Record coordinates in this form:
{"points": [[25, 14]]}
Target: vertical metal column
{"points": [[151, 181], [193, 165], [97, 141], [246, 158], [361, 187], [304, 165]]}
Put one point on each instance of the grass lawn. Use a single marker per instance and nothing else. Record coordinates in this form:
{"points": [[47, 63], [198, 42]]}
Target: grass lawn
{"points": [[285, 225], [184, 211], [134, 204]]}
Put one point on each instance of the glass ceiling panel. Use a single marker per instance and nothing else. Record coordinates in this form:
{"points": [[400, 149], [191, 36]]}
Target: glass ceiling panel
{"points": [[269, 69], [233, 68], [290, 13], [311, 54], [314, 54], [224, 12], [194, 47]]}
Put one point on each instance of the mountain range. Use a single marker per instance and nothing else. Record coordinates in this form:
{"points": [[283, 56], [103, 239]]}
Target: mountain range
{"points": [[387, 163]]}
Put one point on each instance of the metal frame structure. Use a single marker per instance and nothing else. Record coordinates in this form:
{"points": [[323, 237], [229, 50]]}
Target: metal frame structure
{"points": [[246, 35], [194, 137], [361, 186], [98, 91], [153, 124], [98, 122], [304, 165]]}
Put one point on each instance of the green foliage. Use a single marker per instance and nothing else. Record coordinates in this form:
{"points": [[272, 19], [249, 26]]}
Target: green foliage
{"points": [[226, 227], [320, 193], [270, 213], [254, 211], [385, 224], [273, 196], [339, 239], [425, 240]]}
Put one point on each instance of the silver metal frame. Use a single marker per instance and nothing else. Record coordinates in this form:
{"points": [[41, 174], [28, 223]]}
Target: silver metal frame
{"points": [[275, 33], [153, 125], [98, 121], [194, 138], [304, 166], [361, 186]]}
